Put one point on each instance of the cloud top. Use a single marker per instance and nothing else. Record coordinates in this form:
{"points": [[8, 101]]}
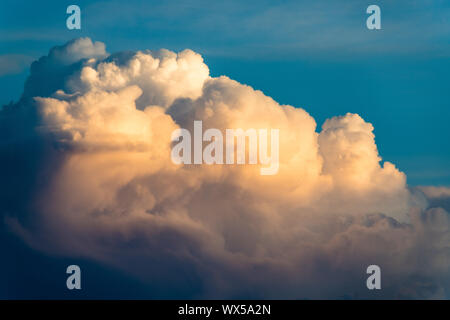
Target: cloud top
{"points": [[101, 185]]}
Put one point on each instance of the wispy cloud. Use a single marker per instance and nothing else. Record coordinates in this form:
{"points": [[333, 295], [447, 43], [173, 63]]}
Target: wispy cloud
{"points": [[14, 63], [292, 28], [97, 137]]}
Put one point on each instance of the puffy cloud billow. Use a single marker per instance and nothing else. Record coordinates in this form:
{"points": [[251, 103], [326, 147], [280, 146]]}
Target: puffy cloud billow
{"points": [[86, 172]]}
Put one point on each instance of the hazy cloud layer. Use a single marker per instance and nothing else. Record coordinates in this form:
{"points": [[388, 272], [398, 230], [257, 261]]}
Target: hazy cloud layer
{"points": [[13, 63], [87, 173]]}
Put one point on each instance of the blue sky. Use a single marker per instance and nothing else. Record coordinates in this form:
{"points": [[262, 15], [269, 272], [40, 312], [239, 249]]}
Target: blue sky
{"points": [[318, 55]]}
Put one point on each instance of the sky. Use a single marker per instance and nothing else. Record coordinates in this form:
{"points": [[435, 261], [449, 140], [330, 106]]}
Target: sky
{"points": [[382, 93]]}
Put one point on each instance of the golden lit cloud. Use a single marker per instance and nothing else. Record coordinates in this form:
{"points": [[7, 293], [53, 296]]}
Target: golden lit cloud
{"points": [[112, 193]]}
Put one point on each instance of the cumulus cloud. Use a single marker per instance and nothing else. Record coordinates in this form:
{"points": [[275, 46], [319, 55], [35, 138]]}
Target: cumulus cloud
{"points": [[87, 173], [13, 63]]}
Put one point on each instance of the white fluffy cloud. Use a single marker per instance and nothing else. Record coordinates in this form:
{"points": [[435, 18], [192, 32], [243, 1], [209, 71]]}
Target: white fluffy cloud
{"points": [[112, 194]]}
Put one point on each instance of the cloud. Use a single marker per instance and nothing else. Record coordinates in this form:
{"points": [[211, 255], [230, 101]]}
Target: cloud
{"points": [[87, 173], [437, 196]]}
